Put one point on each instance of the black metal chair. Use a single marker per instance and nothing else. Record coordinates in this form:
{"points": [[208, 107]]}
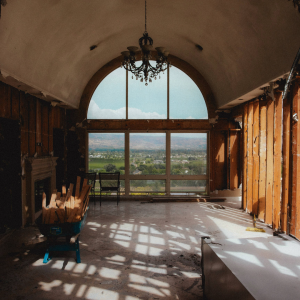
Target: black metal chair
{"points": [[91, 177], [110, 182]]}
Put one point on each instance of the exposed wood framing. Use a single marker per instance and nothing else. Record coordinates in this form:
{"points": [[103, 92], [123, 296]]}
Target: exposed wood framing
{"points": [[286, 162], [255, 156], [277, 160], [37, 119], [270, 152], [234, 159], [245, 145], [250, 159], [262, 162], [295, 205]]}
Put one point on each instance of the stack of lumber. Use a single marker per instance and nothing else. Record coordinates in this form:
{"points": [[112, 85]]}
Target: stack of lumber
{"points": [[65, 208]]}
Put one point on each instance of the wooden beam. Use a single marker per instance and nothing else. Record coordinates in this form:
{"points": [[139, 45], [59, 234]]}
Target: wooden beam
{"points": [[24, 123], [295, 207], [250, 159], [45, 129], [96, 125], [286, 162], [270, 152], [38, 118], [245, 162], [262, 162], [5, 97], [32, 124], [277, 160], [255, 156], [234, 159]]}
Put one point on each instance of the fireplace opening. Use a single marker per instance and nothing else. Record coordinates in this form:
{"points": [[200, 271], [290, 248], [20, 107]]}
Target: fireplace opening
{"points": [[40, 187]]}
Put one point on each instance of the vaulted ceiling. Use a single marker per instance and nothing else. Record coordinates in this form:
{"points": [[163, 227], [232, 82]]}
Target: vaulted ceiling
{"points": [[45, 45]]}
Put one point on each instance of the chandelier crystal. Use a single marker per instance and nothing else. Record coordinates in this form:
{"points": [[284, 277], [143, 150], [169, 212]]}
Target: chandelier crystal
{"points": [[145, 72]]}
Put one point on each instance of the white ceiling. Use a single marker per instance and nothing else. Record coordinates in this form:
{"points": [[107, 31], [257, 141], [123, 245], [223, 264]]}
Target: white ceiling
{"points": [[45, 44]]}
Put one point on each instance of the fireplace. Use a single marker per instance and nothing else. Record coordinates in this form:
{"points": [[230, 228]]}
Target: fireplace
{"points": [[40, 174]]}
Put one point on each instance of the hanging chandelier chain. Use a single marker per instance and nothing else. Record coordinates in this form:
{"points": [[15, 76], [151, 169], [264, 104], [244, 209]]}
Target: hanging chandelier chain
{"points": [[145, 71], [145, 15]]}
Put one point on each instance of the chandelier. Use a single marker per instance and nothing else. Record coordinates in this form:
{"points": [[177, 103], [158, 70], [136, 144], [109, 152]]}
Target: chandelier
{"points": [[145, 72]]}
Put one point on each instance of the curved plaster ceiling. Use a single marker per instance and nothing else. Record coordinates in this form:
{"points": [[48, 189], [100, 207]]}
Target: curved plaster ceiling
{"points": [[45, 45]]}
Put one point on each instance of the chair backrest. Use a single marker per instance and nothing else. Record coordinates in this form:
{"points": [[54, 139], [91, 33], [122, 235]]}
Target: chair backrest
{"points": [[91, 177], [109, 179]]}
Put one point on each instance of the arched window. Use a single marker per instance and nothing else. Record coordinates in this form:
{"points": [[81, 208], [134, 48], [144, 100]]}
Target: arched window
{"points": [[150, 161], [174, 95]]}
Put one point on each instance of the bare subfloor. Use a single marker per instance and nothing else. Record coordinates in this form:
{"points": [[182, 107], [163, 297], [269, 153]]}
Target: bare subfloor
{"points": [[133, 251]]}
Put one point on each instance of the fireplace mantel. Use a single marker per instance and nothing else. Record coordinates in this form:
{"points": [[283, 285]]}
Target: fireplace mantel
{"points": [[36, 169]]}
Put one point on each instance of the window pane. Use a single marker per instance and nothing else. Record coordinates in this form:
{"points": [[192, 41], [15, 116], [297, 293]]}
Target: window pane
{"points": [[147, 186], [147, 102], [188, 186], [109, 99], [147, 153], [188, 153], [186, 100], [106, 152]]}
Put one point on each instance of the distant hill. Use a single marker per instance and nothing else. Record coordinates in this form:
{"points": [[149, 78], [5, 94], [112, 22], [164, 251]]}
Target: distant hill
{"points": [[143, 142]]}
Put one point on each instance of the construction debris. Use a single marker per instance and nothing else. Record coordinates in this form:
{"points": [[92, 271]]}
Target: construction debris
{"points": [[65, 208]]}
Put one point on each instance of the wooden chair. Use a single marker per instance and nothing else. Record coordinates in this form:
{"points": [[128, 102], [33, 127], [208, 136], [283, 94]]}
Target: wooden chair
{"points": [[110, 182], [91, 177]]}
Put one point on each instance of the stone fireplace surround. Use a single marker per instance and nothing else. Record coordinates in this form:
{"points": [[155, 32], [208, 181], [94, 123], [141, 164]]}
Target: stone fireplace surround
{"points": [[36, 169]]}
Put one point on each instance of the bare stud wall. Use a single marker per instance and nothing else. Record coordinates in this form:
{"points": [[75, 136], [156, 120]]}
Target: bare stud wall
{"points": [[271, 188]]}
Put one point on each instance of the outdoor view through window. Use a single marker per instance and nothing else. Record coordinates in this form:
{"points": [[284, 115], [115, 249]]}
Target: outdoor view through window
{"points": [[156, 162]]}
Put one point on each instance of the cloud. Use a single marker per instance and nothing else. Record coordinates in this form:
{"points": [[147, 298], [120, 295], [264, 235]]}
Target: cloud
{"points": [[95, 112]]}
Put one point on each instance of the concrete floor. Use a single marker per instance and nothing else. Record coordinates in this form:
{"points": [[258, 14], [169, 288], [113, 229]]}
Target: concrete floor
{"points": [[133, 251]]}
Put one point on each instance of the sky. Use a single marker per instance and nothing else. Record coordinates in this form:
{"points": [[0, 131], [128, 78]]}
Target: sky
{"points": [[147, 102]]}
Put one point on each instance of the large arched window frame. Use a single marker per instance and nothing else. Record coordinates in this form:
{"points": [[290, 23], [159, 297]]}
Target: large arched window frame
{"points": [[167, 126]]}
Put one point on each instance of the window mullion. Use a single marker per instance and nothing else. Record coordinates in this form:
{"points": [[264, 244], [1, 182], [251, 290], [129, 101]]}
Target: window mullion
{"points": [[127, 164], [168, 162]]}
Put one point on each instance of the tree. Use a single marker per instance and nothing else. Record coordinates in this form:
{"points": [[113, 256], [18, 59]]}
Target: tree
{"points": [[110, 168]]}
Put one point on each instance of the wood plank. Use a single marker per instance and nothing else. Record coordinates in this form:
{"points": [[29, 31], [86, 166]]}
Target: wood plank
{"points": [[270, 152], [63, 190], [255, 180], [5, 99], [15, 104], [286, 162], [50, 130], [250, 159], [44, 208], [262, 163], [32, 124], [245, 162], [277, 159], [38, 127], [296, 160], [220, 168], [234, 160], [77, 191]]}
